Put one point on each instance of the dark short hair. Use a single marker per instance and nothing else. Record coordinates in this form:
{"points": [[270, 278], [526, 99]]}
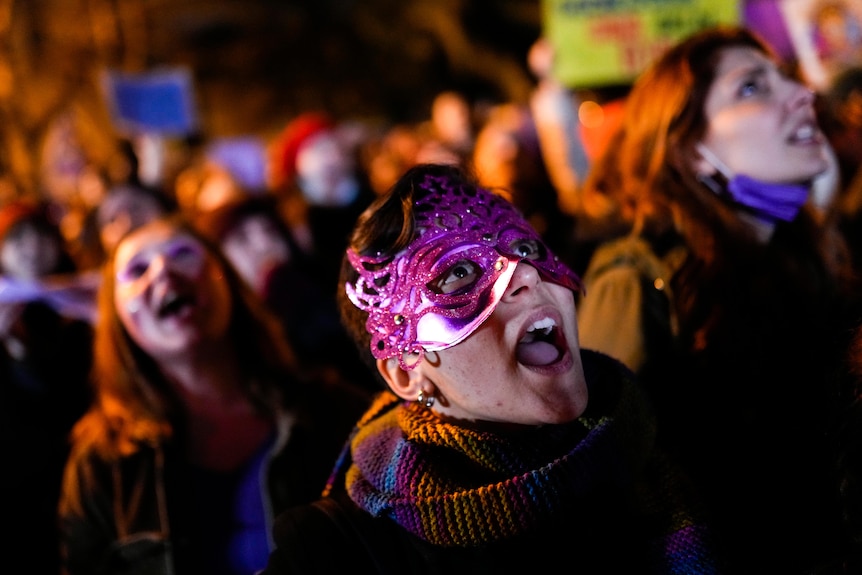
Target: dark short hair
{"points": [[222, 220], [385, 228]]}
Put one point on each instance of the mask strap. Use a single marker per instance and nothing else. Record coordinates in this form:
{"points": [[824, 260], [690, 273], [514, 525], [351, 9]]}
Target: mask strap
{"points": [[711, 183], [713, 160]]}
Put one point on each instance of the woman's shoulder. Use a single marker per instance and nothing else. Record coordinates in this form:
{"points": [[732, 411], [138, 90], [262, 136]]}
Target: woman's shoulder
{"points": [[97, 437], [313, 431], [333, 535], [330, 400], [90, 434], [325, 412], [92, 465], [635, 254]]}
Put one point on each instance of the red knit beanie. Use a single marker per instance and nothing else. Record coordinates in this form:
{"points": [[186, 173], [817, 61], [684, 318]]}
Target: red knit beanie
{"points": [[287, 145], [19, 210]]}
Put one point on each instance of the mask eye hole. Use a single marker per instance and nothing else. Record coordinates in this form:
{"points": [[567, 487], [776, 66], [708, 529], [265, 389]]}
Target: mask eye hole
{"points": [[526, 249], [457, 278]]}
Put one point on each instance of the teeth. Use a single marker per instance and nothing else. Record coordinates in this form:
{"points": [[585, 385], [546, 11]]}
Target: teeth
{"points": [[543, 324], [805, 132]]}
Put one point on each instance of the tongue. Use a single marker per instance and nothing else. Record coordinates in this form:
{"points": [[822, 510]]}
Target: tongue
{"points": [[537, 353]]}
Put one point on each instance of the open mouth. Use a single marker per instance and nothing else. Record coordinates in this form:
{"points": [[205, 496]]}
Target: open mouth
{"points": [[542, 345], [175, 304], [807, 133]]}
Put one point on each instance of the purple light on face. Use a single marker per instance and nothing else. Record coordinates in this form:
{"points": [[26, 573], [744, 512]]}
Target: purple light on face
{"points": [[461, 228]]}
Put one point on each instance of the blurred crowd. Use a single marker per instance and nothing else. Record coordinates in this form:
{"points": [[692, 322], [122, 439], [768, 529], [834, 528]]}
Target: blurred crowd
{"points": [[744, 334]]}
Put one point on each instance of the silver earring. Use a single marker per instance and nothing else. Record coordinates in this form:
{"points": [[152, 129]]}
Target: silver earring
{"points": [[426, 401], [134, 306]]}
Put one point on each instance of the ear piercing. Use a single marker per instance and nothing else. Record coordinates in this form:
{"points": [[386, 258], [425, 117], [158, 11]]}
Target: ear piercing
{"points": [[134, 306], [426, 401]]}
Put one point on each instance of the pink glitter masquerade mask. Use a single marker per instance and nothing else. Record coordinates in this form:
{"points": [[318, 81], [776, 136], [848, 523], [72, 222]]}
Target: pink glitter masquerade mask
{"points": [[440, 289]]}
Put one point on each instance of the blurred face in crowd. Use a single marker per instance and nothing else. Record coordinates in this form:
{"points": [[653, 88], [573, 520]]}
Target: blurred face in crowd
{"points": [[324, 170], [170, 292], [124, 209], [29, 252], [255, 247], [497, 147], [450, 115], [217, 188], [760, 122]]}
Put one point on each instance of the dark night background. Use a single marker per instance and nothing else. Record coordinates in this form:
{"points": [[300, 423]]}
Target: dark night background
{"points": [[255, 63]]}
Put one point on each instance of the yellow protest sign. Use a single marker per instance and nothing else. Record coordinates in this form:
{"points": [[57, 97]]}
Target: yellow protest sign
{"points": [[609, 42]]}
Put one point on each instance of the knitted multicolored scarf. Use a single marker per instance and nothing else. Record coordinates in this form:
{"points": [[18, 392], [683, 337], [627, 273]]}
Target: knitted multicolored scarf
{"points": [[454, 486]]}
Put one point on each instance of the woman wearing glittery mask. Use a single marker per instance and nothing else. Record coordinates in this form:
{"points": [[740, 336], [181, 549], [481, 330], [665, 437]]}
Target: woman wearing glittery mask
{"points": [[727, 294], [498, 445], [202, 429]]}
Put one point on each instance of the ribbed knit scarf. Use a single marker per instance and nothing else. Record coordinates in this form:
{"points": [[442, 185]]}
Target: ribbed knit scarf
{"points": [[454, 486]]}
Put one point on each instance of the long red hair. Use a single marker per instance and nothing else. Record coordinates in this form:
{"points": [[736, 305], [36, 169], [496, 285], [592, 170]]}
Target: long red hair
{"points": [[134, 403], [646, 174]]}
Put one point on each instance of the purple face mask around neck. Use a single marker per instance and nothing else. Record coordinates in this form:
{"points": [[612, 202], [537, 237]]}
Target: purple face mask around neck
{"points": [[469, 238], [770, 202]]}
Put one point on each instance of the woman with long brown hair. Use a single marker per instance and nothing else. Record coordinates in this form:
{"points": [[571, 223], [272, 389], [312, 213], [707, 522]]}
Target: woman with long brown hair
{"points": [[725, 293], [202, 429]]}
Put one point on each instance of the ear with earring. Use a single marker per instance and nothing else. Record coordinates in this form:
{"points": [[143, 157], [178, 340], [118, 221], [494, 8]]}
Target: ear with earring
{"points": [[426, 400]]}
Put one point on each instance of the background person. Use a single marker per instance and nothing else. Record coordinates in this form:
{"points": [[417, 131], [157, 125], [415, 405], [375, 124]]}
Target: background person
{"points": [[201, 429], [257, 241], [726, 293], [45, 358]]}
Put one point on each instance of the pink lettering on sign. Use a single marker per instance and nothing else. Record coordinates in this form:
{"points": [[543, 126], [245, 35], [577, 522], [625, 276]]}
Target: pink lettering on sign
{"points": [[616, 28], [637, 56], [627, 32]]}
